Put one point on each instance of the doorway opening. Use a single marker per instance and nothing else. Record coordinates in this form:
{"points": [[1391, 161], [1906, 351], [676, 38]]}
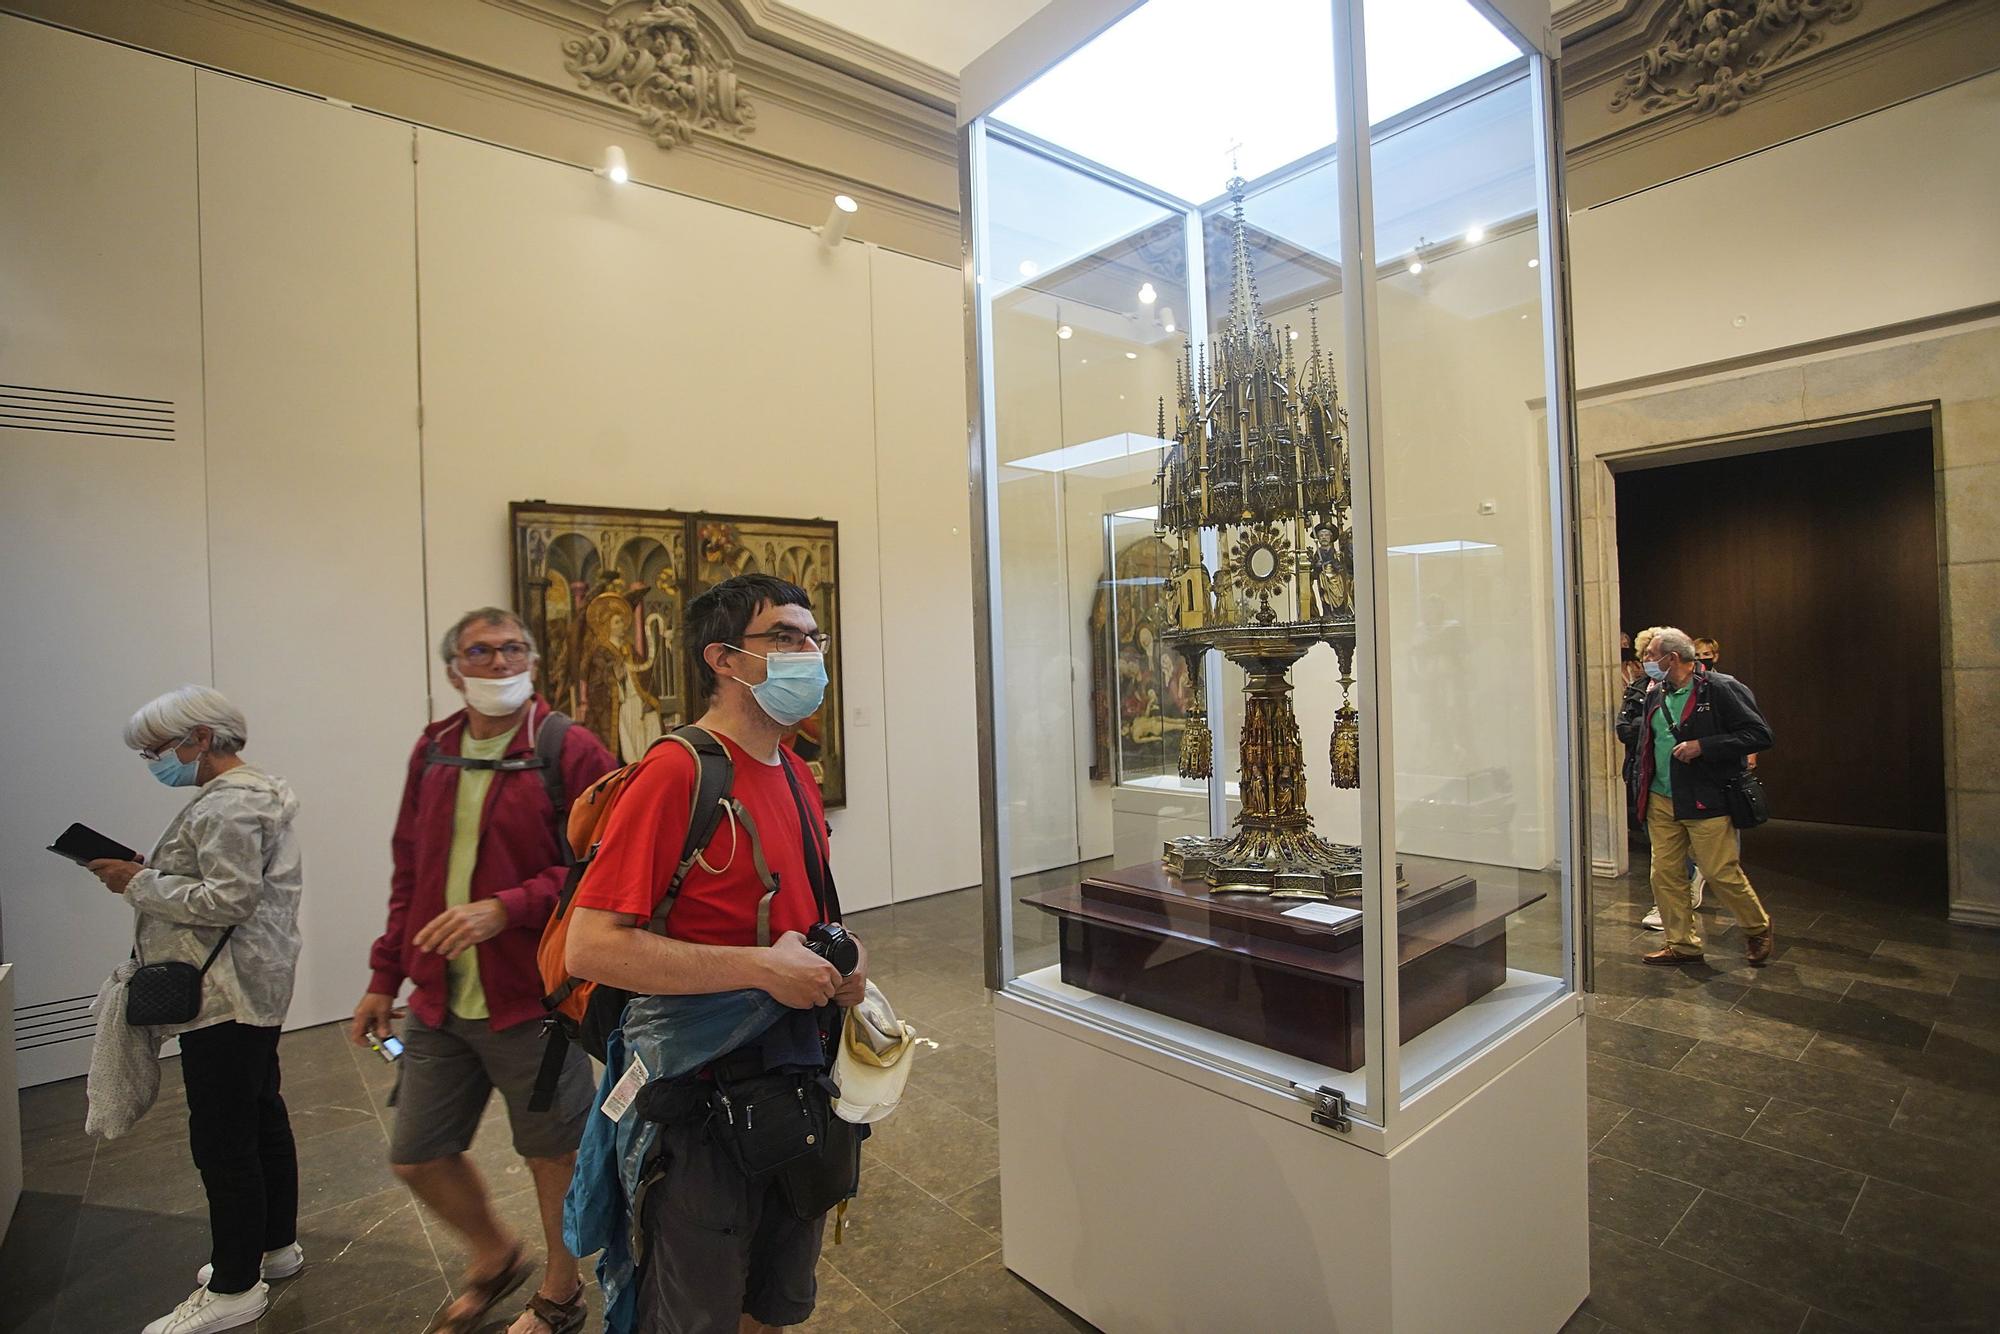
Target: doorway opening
{"points": [[1813, 564]]}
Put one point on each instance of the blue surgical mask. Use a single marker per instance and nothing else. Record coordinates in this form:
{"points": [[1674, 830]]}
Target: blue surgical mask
{"points": [[1654, 670], [793, 687], [174, 771]]}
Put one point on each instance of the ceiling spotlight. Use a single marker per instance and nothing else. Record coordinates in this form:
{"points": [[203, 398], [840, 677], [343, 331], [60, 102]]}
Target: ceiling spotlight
{"points": [[1168, 325], [1415, 266], [1293, 334], [1534, 264], [1064, 331], [1475, 234], [1147, 296], [1131, 356], [615, 169], [834, 229], [1029, 268]]}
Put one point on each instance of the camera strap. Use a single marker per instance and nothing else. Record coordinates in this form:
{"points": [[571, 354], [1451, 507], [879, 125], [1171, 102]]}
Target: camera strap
{"points": [[811, 831]]}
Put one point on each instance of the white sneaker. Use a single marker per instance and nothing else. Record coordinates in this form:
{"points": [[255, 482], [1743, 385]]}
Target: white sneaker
{"points": [[1700, 882], [205, 1310], [281, 1263], [1651, 921]]}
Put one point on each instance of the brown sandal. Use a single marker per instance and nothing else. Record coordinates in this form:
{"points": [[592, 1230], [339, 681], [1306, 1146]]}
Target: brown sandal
{"points": [[561, 1317], [488, 1293]]}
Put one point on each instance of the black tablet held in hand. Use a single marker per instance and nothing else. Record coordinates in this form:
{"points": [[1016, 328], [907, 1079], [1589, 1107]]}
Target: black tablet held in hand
{"points": [[84, 845]]}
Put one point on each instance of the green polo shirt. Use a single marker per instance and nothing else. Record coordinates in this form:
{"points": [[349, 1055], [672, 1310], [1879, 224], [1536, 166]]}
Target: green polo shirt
{"points": [[1663, 738], [467, 997]]}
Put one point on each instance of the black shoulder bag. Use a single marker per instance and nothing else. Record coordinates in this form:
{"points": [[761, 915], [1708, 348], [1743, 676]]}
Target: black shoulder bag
{"points": [[1743, 797], [167, 993]]}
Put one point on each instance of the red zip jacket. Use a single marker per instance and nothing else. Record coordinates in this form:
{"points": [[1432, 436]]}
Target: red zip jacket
{"points": [[520, 864]]}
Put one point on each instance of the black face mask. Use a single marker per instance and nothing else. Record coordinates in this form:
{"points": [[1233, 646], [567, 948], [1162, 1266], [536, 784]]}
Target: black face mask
{"points": [[1707, 663]]}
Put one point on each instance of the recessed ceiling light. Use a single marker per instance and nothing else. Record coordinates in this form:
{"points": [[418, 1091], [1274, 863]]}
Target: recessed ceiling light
{"points": [[1416, 266], [1029, 268], [1064, 331], [1475, 234], [1147, 296], [1534, 264], [1131, 356]]}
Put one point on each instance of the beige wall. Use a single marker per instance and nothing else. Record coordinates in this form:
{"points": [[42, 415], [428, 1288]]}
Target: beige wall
{"points": [[303, 540]]}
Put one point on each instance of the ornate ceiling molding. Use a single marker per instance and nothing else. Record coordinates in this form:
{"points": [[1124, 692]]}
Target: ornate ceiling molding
{"points": [[1715, 53], [660, 62], [1656, 89]]}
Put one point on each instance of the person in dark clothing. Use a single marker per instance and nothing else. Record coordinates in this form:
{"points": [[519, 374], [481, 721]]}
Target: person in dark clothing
{"points": [[1698, 727]]}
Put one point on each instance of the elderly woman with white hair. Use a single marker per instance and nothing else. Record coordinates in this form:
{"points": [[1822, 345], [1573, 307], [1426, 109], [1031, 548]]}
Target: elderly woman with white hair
{"points": [[221, 890]]}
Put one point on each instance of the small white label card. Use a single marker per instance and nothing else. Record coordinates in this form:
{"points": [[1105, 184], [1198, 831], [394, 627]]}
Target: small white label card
{"points": [[1324, 913], [619, 1100]]}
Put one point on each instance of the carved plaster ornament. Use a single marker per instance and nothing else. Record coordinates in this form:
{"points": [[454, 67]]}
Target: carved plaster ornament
{"points": [[1715, 53], [659, 63]]}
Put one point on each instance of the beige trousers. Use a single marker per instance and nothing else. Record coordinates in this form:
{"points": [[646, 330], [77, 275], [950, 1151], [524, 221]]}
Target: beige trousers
{"points": [[1713, 845]]}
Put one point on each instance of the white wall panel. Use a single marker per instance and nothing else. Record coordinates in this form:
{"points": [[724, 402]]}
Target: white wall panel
{"points": [[926, 553], [315, 528], [102, 540], [598, 345], [1883, 219]]}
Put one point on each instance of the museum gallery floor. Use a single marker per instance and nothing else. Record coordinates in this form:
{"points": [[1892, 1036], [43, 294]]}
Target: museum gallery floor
{"points": [[1805, 1147]]}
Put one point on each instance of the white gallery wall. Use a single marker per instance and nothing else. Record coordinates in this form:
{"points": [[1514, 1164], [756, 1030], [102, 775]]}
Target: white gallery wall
{"points": [[302, 539]]}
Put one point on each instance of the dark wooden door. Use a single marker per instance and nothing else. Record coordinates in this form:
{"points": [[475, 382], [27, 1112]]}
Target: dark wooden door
{"points": [[1816, 569]]}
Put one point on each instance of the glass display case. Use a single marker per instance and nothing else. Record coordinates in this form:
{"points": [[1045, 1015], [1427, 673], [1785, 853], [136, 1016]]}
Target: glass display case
{"points": [[1273, 516]]}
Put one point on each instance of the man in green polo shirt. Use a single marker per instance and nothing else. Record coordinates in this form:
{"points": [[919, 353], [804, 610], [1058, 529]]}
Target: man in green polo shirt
{"points": [[1700, 727]]}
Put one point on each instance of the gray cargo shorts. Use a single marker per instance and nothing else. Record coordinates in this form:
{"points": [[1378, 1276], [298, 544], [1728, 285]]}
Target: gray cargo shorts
{"points": [[446, 1075]]}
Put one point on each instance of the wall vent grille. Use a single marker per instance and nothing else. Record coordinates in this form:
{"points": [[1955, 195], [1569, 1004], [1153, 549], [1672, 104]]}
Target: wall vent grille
{"points": [[76, 412], [53, 1022]]}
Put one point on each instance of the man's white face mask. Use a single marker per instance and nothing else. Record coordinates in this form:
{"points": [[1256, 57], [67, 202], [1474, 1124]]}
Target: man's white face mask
{"points": [[496, 697]]}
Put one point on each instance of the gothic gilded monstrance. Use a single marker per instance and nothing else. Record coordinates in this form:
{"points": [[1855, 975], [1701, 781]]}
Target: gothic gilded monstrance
{"points": [[1258, 460]]}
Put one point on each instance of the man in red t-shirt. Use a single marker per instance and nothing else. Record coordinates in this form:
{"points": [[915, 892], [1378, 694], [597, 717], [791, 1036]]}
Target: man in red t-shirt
{"points": [[721, 1250]]}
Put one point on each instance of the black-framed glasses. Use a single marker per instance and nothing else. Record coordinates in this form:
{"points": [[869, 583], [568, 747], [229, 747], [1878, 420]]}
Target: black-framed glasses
{"points": [[149, 754], [789, 640], [513, 652]]}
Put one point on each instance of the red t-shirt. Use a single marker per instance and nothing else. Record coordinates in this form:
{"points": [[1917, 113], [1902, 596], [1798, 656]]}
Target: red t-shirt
{"points": [[647, 829]]}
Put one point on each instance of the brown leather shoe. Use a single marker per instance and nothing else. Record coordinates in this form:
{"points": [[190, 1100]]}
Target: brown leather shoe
{"points": [[1667, 958], [1757, 949]]}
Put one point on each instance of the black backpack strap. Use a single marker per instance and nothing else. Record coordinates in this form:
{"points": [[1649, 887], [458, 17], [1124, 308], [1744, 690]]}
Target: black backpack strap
{"points": [[548, 750]]}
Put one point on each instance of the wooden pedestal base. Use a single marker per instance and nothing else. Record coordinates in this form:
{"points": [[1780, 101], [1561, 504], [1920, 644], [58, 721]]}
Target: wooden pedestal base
{"points": [[1237, 965]]}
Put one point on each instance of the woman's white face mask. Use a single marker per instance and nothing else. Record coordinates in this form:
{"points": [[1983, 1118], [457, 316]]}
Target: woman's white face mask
{"points": [[497, 697]]}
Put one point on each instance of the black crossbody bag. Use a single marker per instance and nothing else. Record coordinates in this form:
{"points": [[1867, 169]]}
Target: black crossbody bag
{"points": [[167, 993]]}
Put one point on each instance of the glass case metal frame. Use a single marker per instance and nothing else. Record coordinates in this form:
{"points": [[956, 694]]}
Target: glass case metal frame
{"points": [[1389, 1112]]}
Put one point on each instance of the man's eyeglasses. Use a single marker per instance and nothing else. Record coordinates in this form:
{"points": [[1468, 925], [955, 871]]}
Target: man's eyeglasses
{"points": [[512, 652], [793, 641]]}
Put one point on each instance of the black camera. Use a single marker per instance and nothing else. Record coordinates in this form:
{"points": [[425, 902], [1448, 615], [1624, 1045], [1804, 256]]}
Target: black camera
{"points": [[830, 941]]}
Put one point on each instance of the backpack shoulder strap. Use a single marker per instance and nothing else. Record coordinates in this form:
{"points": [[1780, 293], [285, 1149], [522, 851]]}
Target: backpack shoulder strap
{"points": [[548, 750], [714, 773]]}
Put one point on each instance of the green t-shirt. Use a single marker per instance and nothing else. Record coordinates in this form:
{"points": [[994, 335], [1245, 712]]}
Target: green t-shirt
{"points": [[467, 996], [1663, 738]]}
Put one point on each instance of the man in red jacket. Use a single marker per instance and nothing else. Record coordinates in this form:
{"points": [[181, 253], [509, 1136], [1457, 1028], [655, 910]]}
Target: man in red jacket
{"points": [[479, 861]]}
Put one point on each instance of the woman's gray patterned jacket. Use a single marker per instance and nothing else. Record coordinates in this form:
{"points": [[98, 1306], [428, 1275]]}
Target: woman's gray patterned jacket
{"points": [[230, 858]]}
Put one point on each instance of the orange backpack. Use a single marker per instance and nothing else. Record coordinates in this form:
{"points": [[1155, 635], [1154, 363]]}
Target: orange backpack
{"points": [[587, 1012]]}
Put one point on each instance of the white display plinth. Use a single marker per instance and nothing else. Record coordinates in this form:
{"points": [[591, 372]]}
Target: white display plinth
{"points": [[1144, 1195]]}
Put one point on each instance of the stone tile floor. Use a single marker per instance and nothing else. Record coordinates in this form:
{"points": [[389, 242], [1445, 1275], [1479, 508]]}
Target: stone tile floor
{"points": [[1806, 1147]]}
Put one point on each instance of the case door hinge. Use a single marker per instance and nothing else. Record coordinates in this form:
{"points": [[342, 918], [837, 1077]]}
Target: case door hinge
{"points": [[1330, 1110]]}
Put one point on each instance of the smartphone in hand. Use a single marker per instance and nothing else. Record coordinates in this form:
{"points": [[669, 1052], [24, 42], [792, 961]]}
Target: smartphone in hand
{"points": [[388, 1048]]}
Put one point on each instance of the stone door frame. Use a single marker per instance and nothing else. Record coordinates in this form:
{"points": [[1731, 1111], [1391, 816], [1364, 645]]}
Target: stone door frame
{"points": [[1949, 377]]}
